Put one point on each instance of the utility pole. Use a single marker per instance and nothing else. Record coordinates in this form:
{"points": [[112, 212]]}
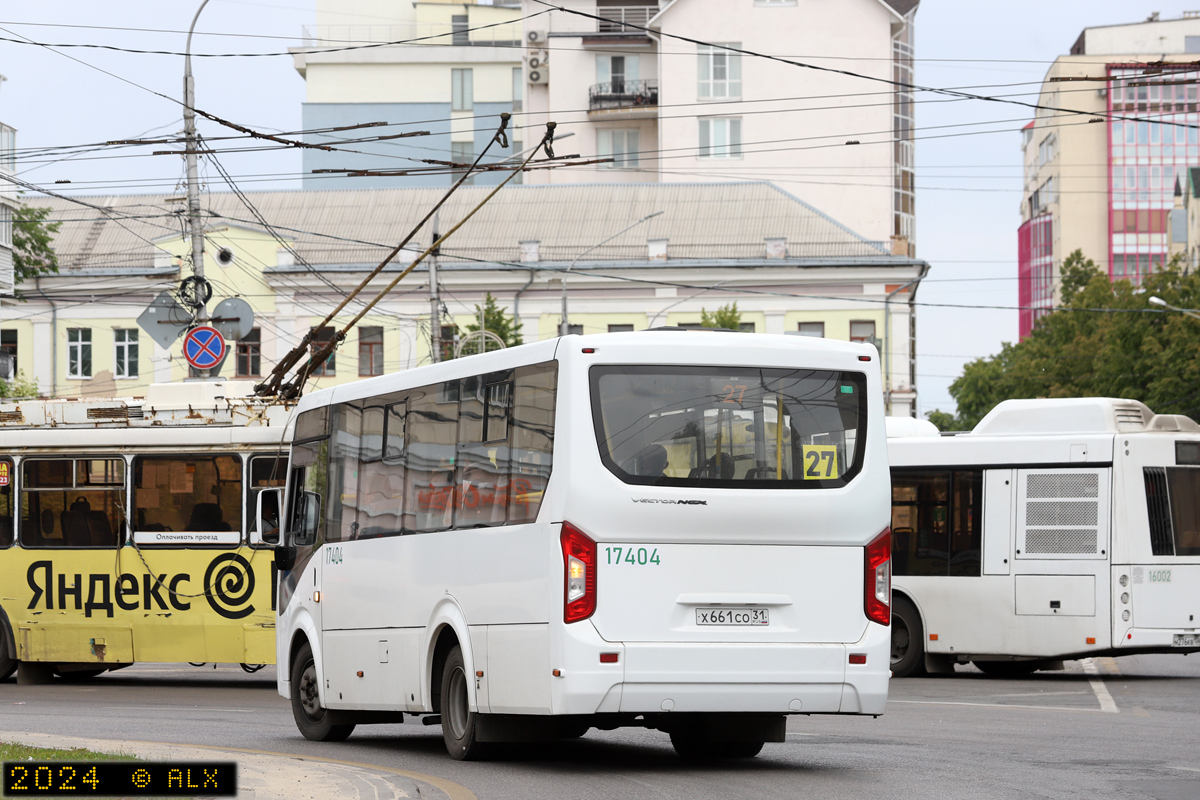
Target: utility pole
{"points": [[435, 303], [193, 188]]}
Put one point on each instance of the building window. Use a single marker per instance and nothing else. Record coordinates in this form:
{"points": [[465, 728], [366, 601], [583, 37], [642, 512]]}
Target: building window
{"points": [[249, 354], [619, 145], [617, 72], [459, 29], [462, 153], [518, 87], [8, 344], [370, 351], [8, 148], [720, 71], [6, 226], [575, 330], [125, 353], [721, 137], [746, 327], [462, 90], [814, 329], [862, 331], [620, 328], [321, 338], [79, 352]]}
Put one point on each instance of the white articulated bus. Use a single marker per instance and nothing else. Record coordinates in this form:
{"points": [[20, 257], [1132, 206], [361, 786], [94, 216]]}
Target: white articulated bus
{"points": [[1056, 529], [683, 531]]}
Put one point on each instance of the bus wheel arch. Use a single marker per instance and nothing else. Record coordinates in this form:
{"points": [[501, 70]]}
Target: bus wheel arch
{"points": [[315, 722], [444, 641], [908, 638]]}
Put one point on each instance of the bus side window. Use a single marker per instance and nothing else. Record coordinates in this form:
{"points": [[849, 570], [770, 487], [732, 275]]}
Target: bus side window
{"points": [[341, 522], [531, 429], [310, 464], [381, 470], [432, 428], [73, 502], [6, 502]]}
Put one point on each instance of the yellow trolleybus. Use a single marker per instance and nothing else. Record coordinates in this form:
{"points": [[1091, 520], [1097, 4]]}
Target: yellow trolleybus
{"points": [[129, 529]]}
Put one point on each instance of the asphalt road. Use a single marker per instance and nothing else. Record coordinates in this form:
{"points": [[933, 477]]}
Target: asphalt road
{"points": [[1128, 729]]}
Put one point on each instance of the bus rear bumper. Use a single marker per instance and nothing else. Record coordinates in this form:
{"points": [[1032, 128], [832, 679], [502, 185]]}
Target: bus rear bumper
{"points": [[780, 678]]}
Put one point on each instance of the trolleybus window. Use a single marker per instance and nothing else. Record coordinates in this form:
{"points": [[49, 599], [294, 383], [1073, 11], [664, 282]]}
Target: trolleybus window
{"points": [[72, 502], [188, 493], [266, 472], [937, 522], [6, 502], [729, 426]]}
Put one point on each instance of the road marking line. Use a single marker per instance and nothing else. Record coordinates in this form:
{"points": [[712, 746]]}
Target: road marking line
{"points": [[1107, 704], [995, 705], [1185, 769]]}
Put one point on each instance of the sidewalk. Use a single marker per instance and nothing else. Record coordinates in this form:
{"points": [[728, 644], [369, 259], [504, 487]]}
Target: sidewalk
{"points": [[264, 776]]}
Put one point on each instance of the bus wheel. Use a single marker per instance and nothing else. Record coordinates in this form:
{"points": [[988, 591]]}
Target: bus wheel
{"points": [[908, 639], [312, 720], [458, 720], [8, 664], [1008, 669]]}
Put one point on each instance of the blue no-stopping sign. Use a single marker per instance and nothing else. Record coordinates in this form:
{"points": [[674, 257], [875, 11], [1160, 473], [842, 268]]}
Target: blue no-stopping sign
{"points": [[203, 347]]}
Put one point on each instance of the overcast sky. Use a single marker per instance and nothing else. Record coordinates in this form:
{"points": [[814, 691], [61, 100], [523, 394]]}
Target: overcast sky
{"points": [[968, 187]]}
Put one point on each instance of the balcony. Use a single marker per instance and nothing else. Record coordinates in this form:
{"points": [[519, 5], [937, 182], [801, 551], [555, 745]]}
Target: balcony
{"points": [[619, 15], [622, 98]]}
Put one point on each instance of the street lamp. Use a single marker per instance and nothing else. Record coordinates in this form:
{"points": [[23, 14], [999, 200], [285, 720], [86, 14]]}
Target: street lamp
{"points": [[563, 327], [1158, 301]]}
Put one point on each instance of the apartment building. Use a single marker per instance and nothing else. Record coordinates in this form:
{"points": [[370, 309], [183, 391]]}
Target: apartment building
{"points": [[457, 68], [1105, 155], [8, 207], [787, 266], [652, 86]]}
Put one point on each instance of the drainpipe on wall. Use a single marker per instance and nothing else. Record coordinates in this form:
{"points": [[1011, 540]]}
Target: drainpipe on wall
{"points": [[887, 334], [517, 299], [37, 284]]}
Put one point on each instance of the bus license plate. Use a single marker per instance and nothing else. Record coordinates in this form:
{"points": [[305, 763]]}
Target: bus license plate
{"points": [[1186, 640], [732, 616]]}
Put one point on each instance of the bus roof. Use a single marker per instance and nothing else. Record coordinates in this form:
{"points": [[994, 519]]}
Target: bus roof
{"points": [[1057, 416], [221, 403]]}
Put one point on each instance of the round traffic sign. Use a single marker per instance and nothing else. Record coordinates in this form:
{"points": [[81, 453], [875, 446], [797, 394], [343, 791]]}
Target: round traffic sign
{"points": [[203, 347]]}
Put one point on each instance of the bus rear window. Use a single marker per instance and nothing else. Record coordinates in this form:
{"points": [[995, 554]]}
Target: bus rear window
{"points": [[734, 427]]}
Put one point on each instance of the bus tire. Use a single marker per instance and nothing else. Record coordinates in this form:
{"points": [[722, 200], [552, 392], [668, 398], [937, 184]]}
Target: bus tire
{"points": [[908, 639], [8, 662], [458, 720], [1008, 669], [312, 720], [691, 745]]}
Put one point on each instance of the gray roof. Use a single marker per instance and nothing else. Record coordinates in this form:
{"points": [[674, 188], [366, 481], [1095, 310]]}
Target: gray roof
{"points": [[726, 221]]}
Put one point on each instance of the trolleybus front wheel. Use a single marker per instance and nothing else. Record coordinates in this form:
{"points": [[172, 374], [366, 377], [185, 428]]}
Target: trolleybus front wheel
{"points": [[312, 720], [458, 720], [908, 640], [8, 662]]}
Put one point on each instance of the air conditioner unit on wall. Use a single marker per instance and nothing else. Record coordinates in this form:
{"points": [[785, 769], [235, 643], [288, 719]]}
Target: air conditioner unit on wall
{"points": [[537, 60], [537, 67], [541, 75], [535, 38]]}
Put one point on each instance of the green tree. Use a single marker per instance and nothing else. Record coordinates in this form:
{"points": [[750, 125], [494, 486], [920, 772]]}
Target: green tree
{"points": [[33, 252], [1105, 340], [726, 316], [496, 321], [944, 420], [18, 387]]}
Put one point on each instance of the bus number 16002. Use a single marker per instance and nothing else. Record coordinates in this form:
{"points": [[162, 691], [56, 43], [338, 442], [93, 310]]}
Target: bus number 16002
{"points": [[639, 556]]}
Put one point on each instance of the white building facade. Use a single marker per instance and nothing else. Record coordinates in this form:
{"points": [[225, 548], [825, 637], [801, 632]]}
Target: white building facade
{"points": [[650, 86]]}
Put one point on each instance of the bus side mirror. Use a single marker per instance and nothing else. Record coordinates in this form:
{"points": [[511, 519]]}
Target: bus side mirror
{"points": [[285, 557], [265, 529]]}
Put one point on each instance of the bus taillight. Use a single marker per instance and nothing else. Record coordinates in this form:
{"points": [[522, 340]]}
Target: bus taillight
{"points": [[579, 577], [878, 585]]}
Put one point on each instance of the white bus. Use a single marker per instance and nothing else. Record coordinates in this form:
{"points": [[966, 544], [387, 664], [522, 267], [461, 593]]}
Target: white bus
{"points": [[683, 531], [127, 529], [1056, 529]]}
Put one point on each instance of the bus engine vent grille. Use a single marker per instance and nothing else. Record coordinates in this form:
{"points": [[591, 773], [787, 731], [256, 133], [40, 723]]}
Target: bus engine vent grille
{"points": [[1162, 538], [1063, 484], [115, 412], [1129, 415], [12, 416], [135, 412], [1060, 540], [1061, 512]]}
